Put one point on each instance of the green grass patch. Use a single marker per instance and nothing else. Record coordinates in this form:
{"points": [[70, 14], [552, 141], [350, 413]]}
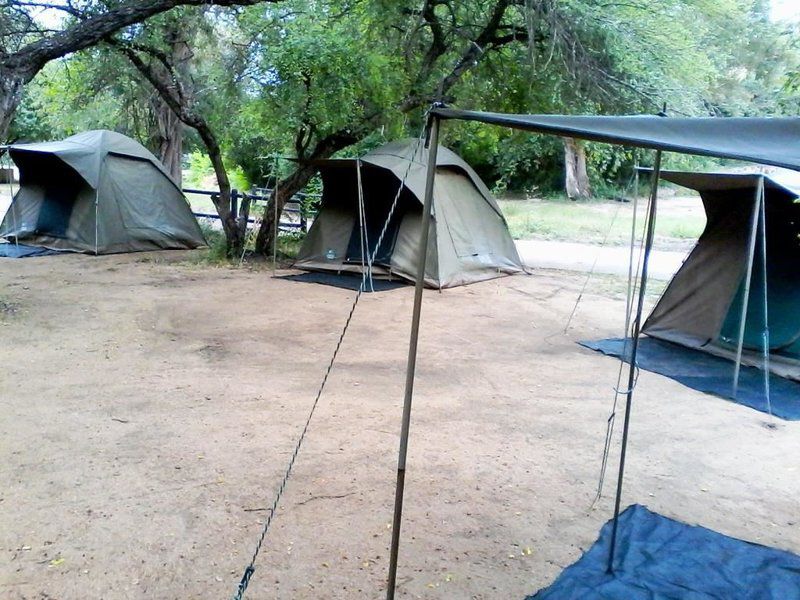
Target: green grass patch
{"points": [[289, 245], [594, 222], [614, 286]]}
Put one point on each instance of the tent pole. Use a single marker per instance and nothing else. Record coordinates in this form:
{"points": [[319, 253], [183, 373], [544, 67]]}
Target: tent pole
{"points": [[361, 220], [96, 226], [366, 271], [637, 325], [433, 143], [748, 278], [763, 225], [275, 221], [6, 150]]}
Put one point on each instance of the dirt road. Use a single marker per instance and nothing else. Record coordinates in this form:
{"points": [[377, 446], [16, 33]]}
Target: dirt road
{"points": [[610, 260], [150, 406]]}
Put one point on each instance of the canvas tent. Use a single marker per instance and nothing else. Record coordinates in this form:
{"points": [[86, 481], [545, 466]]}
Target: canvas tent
{"points": [[469, 237], [703, 304], [98, 192]]}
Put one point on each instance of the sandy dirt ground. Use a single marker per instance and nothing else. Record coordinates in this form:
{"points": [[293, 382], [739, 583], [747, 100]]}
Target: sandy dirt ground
{"points": [[611, 260], [150, 406]]}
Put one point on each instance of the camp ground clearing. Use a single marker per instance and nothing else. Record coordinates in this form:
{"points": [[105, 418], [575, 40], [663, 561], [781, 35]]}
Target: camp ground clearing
{"points": [[161, 401], [183, 337]]}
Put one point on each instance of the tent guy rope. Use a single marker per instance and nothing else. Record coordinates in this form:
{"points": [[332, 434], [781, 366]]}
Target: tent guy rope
{"points": [[362, 215], [591, 271], [762, 217], [250, 569], [634, 268]]}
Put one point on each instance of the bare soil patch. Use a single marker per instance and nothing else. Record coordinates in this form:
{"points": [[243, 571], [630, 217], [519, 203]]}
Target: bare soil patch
{"points": [[150, 406]]}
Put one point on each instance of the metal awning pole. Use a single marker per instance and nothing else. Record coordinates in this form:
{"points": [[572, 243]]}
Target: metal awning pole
{"points": [[762, 215], [748, 277], [637, 326], [433, 143]]}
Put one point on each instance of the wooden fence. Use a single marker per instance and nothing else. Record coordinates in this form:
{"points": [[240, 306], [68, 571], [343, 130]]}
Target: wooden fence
{"points": [[296, 210]]}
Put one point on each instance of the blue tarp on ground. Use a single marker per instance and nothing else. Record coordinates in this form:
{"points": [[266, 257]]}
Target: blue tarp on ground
{"points": [[658, 558], [22, 251], [711, 374]]}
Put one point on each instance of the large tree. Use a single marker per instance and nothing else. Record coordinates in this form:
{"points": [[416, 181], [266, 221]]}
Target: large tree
{"points": [[337, 76], [27, 45], [332, 74], [315, 77], [152, 52]]}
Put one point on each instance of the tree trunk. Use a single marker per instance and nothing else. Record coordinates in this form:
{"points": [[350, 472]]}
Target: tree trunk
{"points": [[286, 189], [10, 96], [170, 135], [174, 94], [576, 178], [232, 226], [170, 127]]}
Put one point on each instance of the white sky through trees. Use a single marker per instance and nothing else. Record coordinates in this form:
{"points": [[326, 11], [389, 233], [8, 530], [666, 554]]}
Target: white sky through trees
{"points": [[785, 10]]}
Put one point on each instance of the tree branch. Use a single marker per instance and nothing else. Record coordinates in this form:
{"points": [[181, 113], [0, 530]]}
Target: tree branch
{"points": [[172, 94], [94, 28]]}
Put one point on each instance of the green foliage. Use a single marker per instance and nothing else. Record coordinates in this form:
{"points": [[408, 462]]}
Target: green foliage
{"points": [[28, 124], [199, 170], [277, 78], [86, 91], [699, 57], [289, 245], [315, 68]]}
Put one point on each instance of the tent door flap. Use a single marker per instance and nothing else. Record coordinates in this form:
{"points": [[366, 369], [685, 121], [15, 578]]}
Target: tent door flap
{"points": [[56, 211], [375, 220]]}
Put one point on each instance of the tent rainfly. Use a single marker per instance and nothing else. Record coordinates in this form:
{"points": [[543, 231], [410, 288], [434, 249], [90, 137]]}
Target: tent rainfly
{"points": [[469, 237], [704, 304], [98, 192]]}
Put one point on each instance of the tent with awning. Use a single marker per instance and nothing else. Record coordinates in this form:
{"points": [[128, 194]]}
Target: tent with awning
{"points": [[704, 305], [699, 564], [98, 192], [767, 141]]}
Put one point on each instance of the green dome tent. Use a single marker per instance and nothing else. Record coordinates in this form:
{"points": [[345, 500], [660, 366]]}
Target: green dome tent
{"points": [[469, 237], [98, 192]]}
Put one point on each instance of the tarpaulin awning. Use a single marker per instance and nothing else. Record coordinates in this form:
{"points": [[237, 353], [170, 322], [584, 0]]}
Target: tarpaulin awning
{"points": [[767, 141], [720, 180]]}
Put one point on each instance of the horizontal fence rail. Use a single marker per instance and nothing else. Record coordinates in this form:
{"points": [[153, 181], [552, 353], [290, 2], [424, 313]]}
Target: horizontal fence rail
{"points": [[262, 195]]}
